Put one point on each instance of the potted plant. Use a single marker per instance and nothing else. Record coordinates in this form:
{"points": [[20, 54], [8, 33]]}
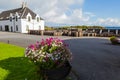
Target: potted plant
{"points": [[114, 40], [51, 56]]}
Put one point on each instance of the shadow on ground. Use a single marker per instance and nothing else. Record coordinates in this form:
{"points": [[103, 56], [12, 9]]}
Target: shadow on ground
{"points": [[20, 69]]}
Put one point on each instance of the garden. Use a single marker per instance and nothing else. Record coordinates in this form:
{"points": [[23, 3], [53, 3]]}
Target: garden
{"points": [[38, 61]]}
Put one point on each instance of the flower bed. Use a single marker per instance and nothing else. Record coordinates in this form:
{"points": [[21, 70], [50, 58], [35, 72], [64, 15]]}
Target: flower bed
{"points": [[51, 53]]}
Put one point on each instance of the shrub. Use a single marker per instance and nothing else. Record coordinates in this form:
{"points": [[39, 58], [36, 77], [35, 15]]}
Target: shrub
{"points": [[114, 40]]}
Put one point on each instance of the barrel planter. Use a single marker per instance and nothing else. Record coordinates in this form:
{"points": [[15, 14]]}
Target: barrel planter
{"points": [[58, 73]]}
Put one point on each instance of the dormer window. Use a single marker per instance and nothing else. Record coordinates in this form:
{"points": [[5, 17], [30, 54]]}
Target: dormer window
{"points": [[16, 18], [38, 19], [11, 16], [10, 19], [29, 18]]}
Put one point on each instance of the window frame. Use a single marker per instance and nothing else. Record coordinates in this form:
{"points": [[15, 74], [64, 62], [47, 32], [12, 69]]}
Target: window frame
{"points": [[38, 19], [29, 18], [16, 27], [10, 19], [16, 18]]}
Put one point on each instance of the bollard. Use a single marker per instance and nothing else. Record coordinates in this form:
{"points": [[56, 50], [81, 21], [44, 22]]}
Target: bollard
{"points": [[80, 34], [8, 41], [42, 32], [76, 34]]}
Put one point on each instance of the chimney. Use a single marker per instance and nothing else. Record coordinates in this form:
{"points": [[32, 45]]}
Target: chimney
{"points": [[24, 4]]}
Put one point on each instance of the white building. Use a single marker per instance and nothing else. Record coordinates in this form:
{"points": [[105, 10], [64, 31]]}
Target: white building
{"points": [[20, 20]]}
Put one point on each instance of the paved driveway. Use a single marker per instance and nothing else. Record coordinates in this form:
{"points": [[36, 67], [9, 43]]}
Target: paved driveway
{"points": [[93, 58], [23, 40]]}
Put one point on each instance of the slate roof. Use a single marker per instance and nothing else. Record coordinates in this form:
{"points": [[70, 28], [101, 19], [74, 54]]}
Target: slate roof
{"points": [[22, 12]]}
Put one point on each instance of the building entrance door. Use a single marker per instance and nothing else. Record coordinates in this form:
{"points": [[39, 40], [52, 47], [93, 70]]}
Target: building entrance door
{"points": [[1, 28], [6, 28]]}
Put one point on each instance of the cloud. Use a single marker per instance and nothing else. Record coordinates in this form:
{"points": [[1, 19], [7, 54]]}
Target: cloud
{"points": [[90, 14], [60, 11], [108, 21], [57, 11], [8, 4]]}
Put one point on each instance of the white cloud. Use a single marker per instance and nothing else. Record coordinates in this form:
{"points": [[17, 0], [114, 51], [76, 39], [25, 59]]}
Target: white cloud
{"points": [[55, 11], [77, 17], [90, 14], [108, 21], [60, 11], [8, 4], [50, 10]]}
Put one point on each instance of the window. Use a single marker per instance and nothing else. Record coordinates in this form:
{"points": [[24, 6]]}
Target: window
{"points": [[16, 27], [16, 18], [39, 27], [10, 19], [27, 27], [1, 28], [38, 19], [29, 18]]}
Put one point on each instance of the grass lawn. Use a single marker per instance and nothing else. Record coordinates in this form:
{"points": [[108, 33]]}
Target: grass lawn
{"points": [[13, 64]]}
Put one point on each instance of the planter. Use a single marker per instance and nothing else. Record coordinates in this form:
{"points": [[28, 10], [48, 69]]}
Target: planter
{"points": [[58, 73], [114, 41]]}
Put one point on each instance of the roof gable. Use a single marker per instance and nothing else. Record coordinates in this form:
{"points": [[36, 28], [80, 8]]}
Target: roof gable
{"points": [[22, 12], [26, 11]]}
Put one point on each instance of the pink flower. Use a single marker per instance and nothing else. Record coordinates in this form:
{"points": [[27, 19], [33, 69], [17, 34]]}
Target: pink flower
{"points": [[42, 42], [32, 46], [37, 44], [48, 41], [50, 50]]}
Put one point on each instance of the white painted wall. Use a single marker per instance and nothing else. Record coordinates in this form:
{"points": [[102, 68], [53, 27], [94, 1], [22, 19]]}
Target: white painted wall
{"points": [[22, 24], [38, 25], [33, 24], [42, 25], [10, 24], [2, 23]]}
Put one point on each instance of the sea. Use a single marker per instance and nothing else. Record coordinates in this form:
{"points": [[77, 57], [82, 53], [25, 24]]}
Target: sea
{"points": [[112, 27]]}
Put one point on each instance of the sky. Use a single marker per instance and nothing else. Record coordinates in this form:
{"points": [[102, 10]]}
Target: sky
{"points": [[71, 12]]}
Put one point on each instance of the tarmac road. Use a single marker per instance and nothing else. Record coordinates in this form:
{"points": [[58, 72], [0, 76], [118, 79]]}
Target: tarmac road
{"points": [[23, 40], [93, 58]]}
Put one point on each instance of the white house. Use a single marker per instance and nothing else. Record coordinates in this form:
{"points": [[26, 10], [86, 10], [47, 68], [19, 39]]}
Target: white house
{"points": [[20, 20]]}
